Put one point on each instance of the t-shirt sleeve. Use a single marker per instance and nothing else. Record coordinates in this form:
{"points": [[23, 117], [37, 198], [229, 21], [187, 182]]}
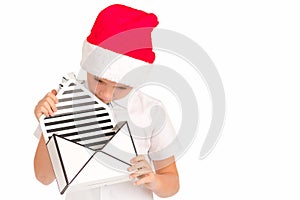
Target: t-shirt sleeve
{"points": [[164, 141], [38, 132]]}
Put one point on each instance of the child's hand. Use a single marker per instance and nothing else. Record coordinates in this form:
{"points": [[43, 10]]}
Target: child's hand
{"points": [[46, 105], [143, 172]]}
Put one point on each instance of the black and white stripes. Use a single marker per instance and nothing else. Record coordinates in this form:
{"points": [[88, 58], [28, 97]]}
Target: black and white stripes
{"points": [[80, 118]]}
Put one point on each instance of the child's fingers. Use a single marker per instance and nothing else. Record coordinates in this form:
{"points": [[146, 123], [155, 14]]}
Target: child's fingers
{"points": [[54, 92], [137, 159], [45, 111], [141, 173], [138, 166], [40, 110], [50, 103], [52, 95], [47, 105], [144, 180]]}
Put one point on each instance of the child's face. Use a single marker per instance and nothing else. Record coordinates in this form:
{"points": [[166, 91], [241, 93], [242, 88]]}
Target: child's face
{"points": [[106, 90]]}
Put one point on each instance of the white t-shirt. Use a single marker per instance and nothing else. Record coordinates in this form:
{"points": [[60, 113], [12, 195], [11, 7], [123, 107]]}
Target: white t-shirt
{"points": [[153, 134]]}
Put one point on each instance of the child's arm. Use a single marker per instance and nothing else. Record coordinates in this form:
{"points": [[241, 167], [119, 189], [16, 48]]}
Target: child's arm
{"points": [[164, 183], [42, 165]]}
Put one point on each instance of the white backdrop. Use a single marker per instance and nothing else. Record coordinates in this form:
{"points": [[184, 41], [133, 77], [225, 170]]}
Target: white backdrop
{"points": [[255, 46]]}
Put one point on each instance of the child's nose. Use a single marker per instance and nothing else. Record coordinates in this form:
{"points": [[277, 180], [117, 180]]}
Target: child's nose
{"points": [[106, 93]]}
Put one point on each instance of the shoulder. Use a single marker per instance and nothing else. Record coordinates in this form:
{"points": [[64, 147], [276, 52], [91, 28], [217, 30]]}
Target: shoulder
{"points": [[145, 100], [143, 108]]}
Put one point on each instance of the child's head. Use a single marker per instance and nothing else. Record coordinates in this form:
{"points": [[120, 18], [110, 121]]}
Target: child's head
{"points": [[119, 42]]}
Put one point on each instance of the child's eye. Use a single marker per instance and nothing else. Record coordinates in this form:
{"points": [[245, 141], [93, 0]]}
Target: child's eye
{"points": [[121, 88], [98, 80]]}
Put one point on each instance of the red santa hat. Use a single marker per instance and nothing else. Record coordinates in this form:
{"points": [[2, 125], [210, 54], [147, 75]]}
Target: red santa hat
{"points": [[120, 41]]}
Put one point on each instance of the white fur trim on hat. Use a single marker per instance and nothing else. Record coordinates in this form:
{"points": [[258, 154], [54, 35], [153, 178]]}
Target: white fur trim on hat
{"points": [[107, 64]]}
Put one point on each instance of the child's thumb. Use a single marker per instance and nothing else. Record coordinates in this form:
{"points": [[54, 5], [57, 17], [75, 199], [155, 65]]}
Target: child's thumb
{"points": [[54, 92]]}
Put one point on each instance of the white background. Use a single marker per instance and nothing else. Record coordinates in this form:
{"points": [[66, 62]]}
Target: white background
{"points": [[255, 46]]}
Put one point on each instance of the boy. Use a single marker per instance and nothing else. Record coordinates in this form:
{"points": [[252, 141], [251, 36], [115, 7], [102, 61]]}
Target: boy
{"points": [[106, 84]]}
